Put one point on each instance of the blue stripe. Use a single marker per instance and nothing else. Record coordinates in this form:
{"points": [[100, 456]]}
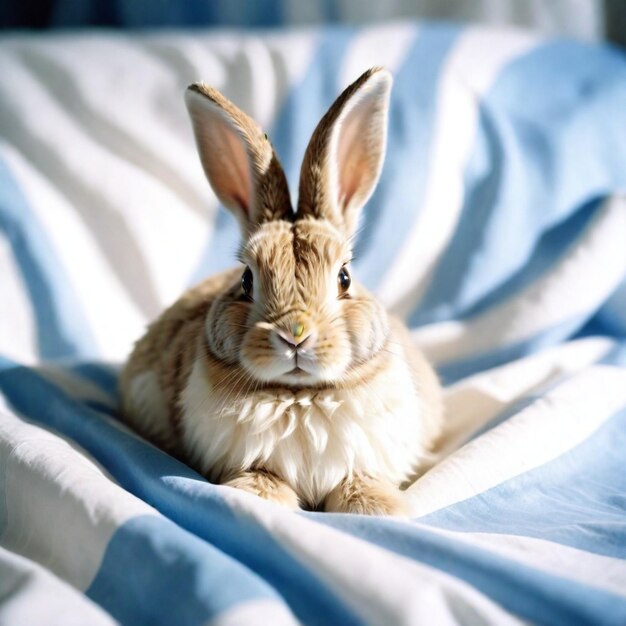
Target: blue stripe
{"points": [[176, 491], [62, 329], [547, 144], [551, 247], [101, 375], [389, 215], [616, 356], [220, 251], [576, 500], [532, 594], [612, 315], [176, 578]]}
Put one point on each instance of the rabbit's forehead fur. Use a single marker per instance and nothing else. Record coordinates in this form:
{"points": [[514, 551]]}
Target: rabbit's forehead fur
{"points": [[296, 259]]}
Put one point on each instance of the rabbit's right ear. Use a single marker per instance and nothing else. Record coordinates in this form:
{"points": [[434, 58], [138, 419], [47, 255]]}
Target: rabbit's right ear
{"points": [[238, 159]]}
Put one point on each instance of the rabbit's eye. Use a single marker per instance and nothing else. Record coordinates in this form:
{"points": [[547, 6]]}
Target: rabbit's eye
{"points": [[344, 280], [246, 283]]}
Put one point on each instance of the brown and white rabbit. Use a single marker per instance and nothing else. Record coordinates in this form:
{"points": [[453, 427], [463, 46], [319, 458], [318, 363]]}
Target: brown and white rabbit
{"points": [[286, 378]]}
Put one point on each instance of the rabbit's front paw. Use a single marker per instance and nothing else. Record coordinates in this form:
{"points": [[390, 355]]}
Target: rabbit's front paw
{"points": [[267, 486], [366, 496]]}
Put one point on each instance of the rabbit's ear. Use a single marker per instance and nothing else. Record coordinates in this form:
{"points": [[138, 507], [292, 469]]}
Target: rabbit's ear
{"points": [[343, 160], [238, 159]]}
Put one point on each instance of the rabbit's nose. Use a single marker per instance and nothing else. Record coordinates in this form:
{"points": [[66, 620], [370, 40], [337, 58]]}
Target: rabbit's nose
{"points": [[298, 336]]}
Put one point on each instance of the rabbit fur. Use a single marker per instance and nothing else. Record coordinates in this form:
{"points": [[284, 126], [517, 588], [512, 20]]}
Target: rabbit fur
{"points": [[277, 378]]}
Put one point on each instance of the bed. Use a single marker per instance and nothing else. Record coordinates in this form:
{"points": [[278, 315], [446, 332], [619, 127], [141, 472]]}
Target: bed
{"points": [[498, 231]]}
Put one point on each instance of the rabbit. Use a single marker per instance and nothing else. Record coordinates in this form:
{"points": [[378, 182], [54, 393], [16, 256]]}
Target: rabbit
{"points": [[284, 377]]}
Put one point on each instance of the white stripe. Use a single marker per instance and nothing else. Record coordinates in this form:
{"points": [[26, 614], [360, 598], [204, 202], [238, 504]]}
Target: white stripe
{"points": [[113, 318], [587, 568], [255, 612], [554, 298], [389, 588], [549, 427], [476, 400], [150, 124], [18, 328], [257, 73], [384, 45], [273, 66], [31, 595], [469, 71], [71, 502], [91, 167]]}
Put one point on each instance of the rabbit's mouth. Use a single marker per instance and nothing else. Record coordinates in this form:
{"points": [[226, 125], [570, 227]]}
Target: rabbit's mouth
{"points": [[298, 371], [283, 359]]}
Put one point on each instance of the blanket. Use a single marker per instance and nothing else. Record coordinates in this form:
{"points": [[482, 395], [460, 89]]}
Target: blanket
{"points": [[498, 231]]}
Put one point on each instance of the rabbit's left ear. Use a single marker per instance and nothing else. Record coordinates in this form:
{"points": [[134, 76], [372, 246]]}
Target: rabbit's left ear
{"points": [[344, 158]]}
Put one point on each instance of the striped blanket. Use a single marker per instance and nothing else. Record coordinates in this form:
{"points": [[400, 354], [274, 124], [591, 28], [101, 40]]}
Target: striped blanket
{"points": [[498, 231]]}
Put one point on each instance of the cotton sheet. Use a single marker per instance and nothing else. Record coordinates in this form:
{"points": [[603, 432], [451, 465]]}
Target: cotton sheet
{"points": [[498, 231]]}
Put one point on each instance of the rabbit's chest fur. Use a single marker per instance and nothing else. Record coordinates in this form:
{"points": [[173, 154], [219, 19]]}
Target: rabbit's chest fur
{"points": [[310, 438]]}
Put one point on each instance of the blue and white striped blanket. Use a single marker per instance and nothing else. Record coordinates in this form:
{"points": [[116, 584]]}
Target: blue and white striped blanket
{"points": [[497, 230]]}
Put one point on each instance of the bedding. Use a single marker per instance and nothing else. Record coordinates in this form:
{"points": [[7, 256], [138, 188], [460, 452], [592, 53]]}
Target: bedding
{"points": [[498, 231]]}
